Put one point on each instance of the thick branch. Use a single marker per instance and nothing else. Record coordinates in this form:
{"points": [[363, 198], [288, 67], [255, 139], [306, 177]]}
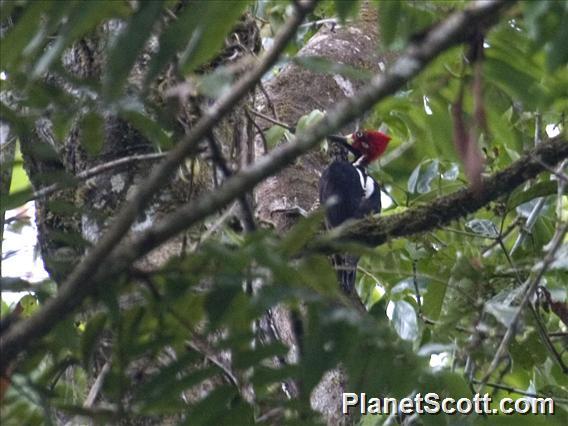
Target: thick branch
{"points": [[82, 282], [376, 231]]}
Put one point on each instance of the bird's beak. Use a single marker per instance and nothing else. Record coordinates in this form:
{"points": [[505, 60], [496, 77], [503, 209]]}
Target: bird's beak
{"points": [[349, 139]]}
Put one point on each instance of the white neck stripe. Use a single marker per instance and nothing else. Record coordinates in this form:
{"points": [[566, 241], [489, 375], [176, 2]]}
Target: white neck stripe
{"points": [[367, 183]]}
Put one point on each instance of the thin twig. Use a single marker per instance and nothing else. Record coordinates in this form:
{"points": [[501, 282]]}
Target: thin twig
{"points": [[94, 171], [429, 321], [199, 343], [396, 153], [93, 393], [554, 246], [558, 173], [519, 391], [546, 339], [466, 233], [213, 228], [96, 388], [332, 21], [416, 289], [219, 160], [540, 326], [272, 120], [268, 100], [259, 131], [535, 212], [486, 252]]}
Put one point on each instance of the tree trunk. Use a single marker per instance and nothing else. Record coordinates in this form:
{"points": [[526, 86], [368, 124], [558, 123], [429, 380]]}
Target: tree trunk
{"points": [[80, 216], [292, 93]]}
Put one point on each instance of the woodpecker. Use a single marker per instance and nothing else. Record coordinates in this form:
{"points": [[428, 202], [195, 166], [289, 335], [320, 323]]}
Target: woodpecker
{"points": [[347, 191]]}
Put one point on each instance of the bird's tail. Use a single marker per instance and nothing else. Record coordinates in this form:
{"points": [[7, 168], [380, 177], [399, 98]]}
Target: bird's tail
{"points": [[346, 268]]}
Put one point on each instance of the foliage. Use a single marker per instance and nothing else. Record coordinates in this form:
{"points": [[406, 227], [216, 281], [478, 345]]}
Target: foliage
{"points": [[449, 294]]}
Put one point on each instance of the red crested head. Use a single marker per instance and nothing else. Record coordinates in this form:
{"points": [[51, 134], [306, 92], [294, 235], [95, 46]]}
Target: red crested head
{"points": [[370, 143]]}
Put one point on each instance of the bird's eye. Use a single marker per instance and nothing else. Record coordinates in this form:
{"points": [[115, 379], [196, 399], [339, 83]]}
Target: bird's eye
{"points": [[359, 135]]}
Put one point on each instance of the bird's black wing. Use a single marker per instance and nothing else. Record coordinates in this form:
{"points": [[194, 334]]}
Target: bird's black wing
{"points": [[340, 192], [372, 204]]}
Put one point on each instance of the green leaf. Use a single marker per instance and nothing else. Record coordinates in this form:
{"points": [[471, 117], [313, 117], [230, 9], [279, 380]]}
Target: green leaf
{"points": [[64, 337], [518, 84], [389, 20], [218, 300], [149, 128], [29, 305], [317, 273], [346, 8], [416, 251], [463, 289], [92, 133], [212, 26], [422, 177], [433, 299], [502, 312], [451, 173], [164, 396], [15, 43], [128, 46], [558, 51], [18, 123], [561, 261], [93, 330], [15, 199], [528, 352], [84, 17], [309, 119], [250, 358], [483, 227], [274, 135], [541, 189], [200, 30], [215, 84], [19, 180], [207, 412], [4, 307], [325, 66], [301, 233], [534, 11], [404, 320]]}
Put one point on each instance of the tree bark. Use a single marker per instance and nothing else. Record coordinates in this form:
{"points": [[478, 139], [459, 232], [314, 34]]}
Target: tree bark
{"points": [[91, 206], [296, 91]]}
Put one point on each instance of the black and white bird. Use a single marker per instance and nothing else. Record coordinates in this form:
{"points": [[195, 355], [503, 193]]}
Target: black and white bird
{"points": [[347, 191]]}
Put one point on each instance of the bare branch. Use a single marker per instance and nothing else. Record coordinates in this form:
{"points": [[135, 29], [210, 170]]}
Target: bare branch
{"points": [[520, 391], [259, 131], [219, 160], [272, 120], [97, 170]]}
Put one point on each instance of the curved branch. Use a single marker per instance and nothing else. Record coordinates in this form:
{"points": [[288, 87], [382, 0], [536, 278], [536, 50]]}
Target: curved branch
{"points": [[455, 29], [94, 171]]}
